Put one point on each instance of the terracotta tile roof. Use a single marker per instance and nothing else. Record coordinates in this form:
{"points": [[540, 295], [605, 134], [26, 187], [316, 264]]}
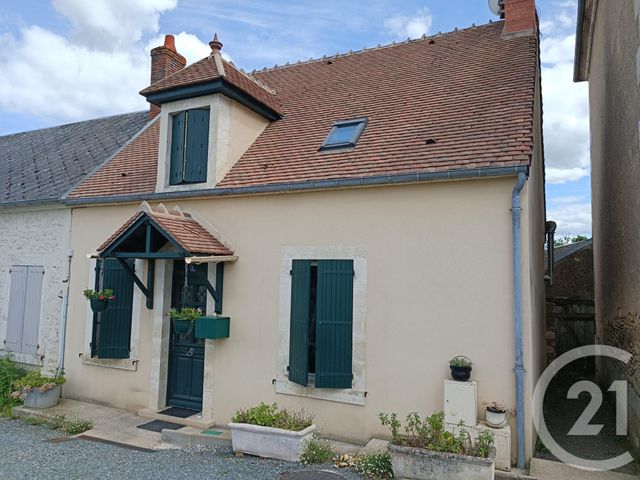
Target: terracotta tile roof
{"points": [[456, 101], [205, 70], [182, 227]]}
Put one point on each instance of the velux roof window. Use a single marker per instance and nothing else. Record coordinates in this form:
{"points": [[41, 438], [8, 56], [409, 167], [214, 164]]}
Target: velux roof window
{"points": [[344, 134]]}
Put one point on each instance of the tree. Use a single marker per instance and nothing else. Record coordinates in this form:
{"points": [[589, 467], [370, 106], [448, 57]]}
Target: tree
{"points": [[568, 239]]}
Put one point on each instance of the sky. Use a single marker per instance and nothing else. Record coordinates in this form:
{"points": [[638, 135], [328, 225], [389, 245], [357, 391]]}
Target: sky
{"points": [[64, 61]]}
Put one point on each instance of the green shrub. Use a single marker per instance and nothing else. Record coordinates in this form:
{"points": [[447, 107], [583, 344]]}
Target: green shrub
{"points": [[9, 374], [33, 380], [375, 465], [272, 416], [316, 450], [431, 434]]}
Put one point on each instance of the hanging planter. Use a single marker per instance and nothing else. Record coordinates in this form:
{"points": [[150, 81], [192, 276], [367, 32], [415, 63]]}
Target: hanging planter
{"points": [[99, 299], [212, 327], [183, 319], [460, 368]]}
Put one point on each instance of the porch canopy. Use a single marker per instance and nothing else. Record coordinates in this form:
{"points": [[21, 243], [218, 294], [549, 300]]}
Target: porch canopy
{"points": [[169, 235]]}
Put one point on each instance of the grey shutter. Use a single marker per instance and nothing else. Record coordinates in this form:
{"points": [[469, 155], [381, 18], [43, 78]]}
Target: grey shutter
{"points": [[197, 144], [334, 328], [32, 304], [176, 168], [17, 295], [299, 328]]}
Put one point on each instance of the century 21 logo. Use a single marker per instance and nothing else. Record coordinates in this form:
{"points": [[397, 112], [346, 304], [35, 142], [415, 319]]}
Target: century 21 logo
{"points": [[583, 425]]}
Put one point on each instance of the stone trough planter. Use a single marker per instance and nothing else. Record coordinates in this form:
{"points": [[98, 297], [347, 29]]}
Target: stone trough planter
{"points": [[269, 442], [420, 464]]}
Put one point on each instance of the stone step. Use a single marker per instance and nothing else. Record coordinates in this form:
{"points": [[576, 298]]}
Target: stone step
{"points": [[194, 437], [195, 421]]}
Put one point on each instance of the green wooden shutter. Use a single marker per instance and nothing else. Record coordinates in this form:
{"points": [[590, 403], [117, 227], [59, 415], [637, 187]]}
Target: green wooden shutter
{"points": [[334, 329], [114, 336], [176, 169], [195, 170], [299, 330]]}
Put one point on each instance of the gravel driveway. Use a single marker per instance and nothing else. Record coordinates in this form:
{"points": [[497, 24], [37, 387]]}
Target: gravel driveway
{"points": [[26, 452]]}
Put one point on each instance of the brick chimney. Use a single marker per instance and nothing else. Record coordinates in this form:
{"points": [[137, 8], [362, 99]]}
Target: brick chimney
{"points": [[165, 61], [520, 18]]}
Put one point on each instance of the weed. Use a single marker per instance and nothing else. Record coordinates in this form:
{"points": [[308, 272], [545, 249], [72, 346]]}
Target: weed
{"points": [[60, 423], [317, 450], [375, 465]]}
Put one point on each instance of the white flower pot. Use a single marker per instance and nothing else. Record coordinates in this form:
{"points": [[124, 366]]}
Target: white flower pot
{"points": [[420, 464], [495, 420], [269, 442]]}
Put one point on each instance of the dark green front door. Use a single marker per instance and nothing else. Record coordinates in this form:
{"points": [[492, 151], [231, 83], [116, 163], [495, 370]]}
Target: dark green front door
{"points": [[186, 353]]}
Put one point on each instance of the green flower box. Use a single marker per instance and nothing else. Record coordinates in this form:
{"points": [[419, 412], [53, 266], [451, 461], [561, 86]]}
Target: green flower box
{"points": [[212, 327]]}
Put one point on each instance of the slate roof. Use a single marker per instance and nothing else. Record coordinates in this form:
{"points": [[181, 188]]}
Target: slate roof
{"points": [[184, 229], [560, 253], [42, 165], [462, 100]]}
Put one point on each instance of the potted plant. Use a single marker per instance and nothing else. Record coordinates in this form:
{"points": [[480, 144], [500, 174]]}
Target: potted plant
{"points": [[270, 432], [495, 414], [427, 451], [460, 368], [99, 299], [213, 327], [184, 318], [39, 391]]}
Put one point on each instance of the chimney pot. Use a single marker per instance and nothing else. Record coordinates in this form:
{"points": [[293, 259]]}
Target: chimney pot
{"points": [[170, 43]]}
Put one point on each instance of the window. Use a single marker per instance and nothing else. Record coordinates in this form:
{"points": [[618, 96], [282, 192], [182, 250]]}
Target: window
{"points": [[189, 146], [24, 309], [321, 329], [112, 328], [344, 134]]}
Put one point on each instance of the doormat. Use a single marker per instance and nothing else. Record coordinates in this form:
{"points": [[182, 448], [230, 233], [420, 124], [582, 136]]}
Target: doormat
{"points": [[311, 475], [179, 412], [159, 425], [215, 433]]}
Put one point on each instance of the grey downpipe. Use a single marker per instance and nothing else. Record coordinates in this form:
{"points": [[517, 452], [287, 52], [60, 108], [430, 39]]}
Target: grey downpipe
{"points": [[517, 306]]}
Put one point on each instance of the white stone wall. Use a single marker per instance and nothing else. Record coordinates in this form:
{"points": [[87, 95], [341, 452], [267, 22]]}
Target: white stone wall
{"points": [[36, 237]]}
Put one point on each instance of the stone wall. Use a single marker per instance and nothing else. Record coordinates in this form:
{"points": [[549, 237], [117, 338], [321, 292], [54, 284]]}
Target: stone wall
{"points": [[36, 237]]}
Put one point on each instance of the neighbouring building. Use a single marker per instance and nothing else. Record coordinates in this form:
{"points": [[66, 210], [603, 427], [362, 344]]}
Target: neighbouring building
{"points": [[358, 217], [570, 300], [608, 57], [36, 169]]}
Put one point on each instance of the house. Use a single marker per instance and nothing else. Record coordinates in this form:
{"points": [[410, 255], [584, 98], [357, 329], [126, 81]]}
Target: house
{"points": [[36, 169], [570, 300], [607, 46], [361, 218]]}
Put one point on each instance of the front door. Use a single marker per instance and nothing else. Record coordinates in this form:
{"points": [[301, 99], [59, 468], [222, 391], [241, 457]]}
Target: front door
{"points": [[186, 353]]}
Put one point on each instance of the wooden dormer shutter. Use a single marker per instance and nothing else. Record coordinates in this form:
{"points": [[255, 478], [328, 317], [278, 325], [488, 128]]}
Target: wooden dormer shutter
{"points": [[176, 169], [197, 144]]}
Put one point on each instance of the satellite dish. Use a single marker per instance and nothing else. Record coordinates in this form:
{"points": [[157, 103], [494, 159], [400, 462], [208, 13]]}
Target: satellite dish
{"points": [[496, 6]]}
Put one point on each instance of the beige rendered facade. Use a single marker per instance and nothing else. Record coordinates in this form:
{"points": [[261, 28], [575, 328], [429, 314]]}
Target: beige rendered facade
{"points": [[608, 56], [433, 266]]}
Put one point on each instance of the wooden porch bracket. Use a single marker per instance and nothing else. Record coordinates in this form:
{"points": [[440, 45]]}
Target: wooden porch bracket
{"points": [[148, 290], [216, 293]]}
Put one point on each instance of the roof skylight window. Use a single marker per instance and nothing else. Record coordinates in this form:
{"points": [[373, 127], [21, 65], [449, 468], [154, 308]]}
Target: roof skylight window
{"points": [[344, 134]]}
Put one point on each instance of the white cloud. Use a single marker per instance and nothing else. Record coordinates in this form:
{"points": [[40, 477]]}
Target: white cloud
{"points": [[45, 75], [187, 44], [413, 26], [572, 217], [112, 24], [563, 175]]}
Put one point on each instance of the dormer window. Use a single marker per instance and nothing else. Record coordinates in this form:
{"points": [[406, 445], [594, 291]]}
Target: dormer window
{"points": [[189, 146], [344, 134]]}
